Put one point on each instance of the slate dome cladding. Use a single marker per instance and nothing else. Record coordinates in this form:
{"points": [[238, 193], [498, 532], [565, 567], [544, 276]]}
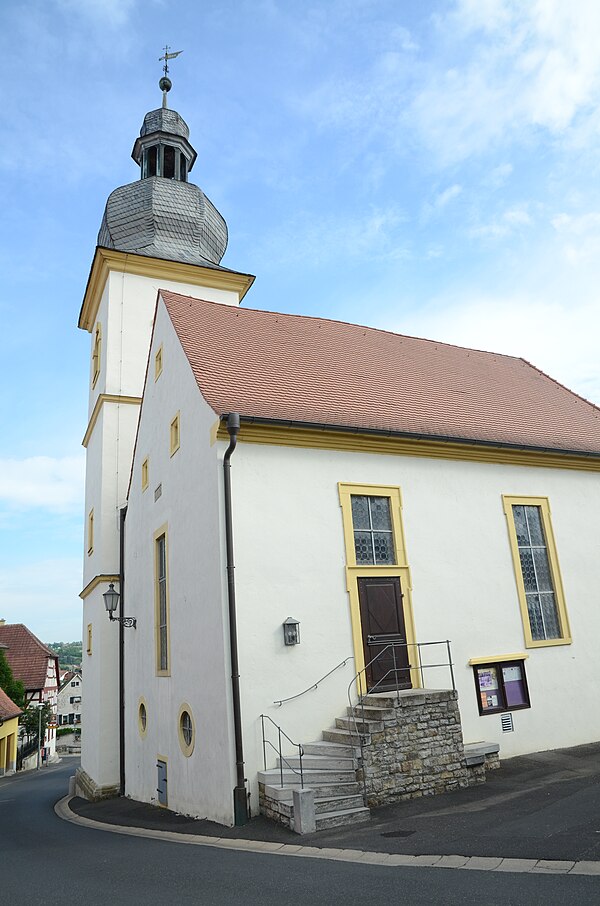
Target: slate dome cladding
{"points": [[164, 218], [164, 120]]}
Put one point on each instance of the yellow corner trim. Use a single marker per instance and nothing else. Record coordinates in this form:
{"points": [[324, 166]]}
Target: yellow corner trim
{"points": [[95, 582], [106, 398], [287, 436], [107, 260], [498, 658]]}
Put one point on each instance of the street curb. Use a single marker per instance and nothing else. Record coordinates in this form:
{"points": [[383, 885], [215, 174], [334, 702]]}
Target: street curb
{"points": [[456, 862]]}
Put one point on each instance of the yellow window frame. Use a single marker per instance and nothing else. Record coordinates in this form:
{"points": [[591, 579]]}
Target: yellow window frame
{"points": [[175, 434], [159, 533], [508, 501], [400, 569], [158, 363], [96, 353]]}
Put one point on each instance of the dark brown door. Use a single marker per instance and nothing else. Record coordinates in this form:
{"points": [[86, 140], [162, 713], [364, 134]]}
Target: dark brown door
{"points": [[384, 634]]}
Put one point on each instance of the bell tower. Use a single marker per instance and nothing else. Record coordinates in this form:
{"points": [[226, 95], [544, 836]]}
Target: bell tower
{"points": [[159, 232]]}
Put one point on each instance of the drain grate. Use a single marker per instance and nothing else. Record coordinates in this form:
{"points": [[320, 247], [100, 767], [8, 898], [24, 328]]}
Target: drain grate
{"points": [[399, 833]]}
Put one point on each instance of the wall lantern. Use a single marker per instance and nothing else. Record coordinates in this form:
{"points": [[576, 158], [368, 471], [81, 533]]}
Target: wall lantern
{"points": [[111, 599], [291, 631]]}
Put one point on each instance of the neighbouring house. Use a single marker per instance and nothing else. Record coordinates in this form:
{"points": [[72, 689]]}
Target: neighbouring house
{"points": [[385, 546], [9, 728], [36, 666], [69, 704]]}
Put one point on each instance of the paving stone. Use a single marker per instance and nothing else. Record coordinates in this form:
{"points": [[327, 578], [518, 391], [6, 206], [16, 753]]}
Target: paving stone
{"points": [[554, 866], [482, 863], [398, 859], [516, 865], [375, 858], [585, 868], [452, 862]]}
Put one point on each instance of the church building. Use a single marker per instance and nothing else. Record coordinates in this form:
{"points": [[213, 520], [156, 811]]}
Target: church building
{"points": [[341, 566]]}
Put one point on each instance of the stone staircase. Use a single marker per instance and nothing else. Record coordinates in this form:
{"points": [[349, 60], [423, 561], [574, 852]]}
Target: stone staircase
{"points": [[412, 746], [329, 769]]}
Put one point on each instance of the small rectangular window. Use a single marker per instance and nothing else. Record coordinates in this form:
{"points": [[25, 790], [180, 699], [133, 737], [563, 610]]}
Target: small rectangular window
{"points": [[89, 639], [175, 438], [158, 363], [145, 474], [501, 686], [90, 533], [373, 533]]}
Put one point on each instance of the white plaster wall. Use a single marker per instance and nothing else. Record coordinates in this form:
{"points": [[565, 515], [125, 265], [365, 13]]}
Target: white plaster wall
{"points": [[189, 506], [290, 561], [125, 313]]}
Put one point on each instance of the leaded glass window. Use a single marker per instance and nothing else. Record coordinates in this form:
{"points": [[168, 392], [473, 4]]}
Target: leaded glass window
{"points": [[373, 533], [161, 578], [537, 575]]}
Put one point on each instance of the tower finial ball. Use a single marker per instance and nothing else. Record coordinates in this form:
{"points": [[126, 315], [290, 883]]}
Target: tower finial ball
{"points": [[165, 84]]}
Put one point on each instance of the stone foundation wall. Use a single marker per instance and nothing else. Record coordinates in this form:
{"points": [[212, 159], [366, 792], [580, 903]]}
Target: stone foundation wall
{"points": [[476, 773], [88, 789], [420, 750], [277, 810]]}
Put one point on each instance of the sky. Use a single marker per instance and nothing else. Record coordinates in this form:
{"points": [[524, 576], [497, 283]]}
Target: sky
{"points": [[430, 168]]}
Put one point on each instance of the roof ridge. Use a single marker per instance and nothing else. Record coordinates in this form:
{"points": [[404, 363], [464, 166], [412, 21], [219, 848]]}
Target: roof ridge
{"points": [[321, 319], [561, 385]]}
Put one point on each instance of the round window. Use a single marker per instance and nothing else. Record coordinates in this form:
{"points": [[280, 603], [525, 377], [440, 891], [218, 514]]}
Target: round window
{"points": [[186, 730], [142, 718]]}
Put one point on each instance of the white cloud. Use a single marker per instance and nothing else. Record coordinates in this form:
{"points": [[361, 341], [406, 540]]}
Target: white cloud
{"points": [[374, 236], [43, 482], [510, 220], [44, 596], [114, 13], [522, 326], [447, 195]]}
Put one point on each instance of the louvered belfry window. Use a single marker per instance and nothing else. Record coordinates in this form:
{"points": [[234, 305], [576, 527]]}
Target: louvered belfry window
{"points": [[373, 533], [537, 574], [161, 577]]}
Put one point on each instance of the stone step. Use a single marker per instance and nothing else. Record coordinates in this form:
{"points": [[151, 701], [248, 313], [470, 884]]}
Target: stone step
{"points": [[388, 700], [317, 762], [323, 790], [338, 803], [334, 734], [371, 712], [359, 726], [312, 778], [331, 748], [343, 818]]}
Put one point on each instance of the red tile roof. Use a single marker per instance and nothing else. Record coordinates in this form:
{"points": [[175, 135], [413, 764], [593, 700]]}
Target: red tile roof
{"points": [[300, 369], [26, 655], [8, 708]]}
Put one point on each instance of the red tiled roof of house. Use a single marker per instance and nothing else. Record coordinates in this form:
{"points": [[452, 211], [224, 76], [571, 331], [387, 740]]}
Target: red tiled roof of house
{"points": [[26, 655], [8, 708], [293, 368]]}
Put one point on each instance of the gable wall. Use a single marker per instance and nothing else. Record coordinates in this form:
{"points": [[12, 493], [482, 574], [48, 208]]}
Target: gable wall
{"points": [[190, 508], [290, 561]]}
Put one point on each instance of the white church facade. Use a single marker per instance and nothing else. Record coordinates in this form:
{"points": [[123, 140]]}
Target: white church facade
{"points": [[415, 516]]}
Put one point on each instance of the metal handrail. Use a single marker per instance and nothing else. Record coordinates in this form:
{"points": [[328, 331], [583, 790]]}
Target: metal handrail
{"points": [[394, 671], [267, 742], [282, 701]]}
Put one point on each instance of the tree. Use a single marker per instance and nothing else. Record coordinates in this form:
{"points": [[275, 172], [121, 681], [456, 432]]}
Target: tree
{"points": [[30, 720], [13, 688]]}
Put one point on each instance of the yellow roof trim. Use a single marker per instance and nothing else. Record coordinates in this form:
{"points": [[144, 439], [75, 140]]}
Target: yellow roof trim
{"points": [[106, 398], [106, 260], [358, 442], [95, 582]]}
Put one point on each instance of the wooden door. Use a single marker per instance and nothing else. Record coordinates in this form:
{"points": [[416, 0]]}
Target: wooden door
{"points": [[382, 620]]}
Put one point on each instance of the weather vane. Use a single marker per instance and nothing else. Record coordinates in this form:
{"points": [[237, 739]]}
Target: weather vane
{"points": [[165, 83]]}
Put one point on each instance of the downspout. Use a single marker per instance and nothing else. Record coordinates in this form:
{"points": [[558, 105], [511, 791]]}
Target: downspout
{"points": [[240, 798], [122, 515]]}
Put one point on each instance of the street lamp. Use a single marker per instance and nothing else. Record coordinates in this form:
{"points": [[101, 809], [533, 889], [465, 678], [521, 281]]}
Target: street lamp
{"points": [[111, 599]]}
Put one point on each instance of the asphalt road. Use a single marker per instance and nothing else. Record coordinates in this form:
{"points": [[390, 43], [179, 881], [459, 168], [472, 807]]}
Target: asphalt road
{"points": [[43, 858]]}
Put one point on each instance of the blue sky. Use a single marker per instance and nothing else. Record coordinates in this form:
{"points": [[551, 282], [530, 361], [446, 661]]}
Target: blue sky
{"points": [[427, 167]]}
